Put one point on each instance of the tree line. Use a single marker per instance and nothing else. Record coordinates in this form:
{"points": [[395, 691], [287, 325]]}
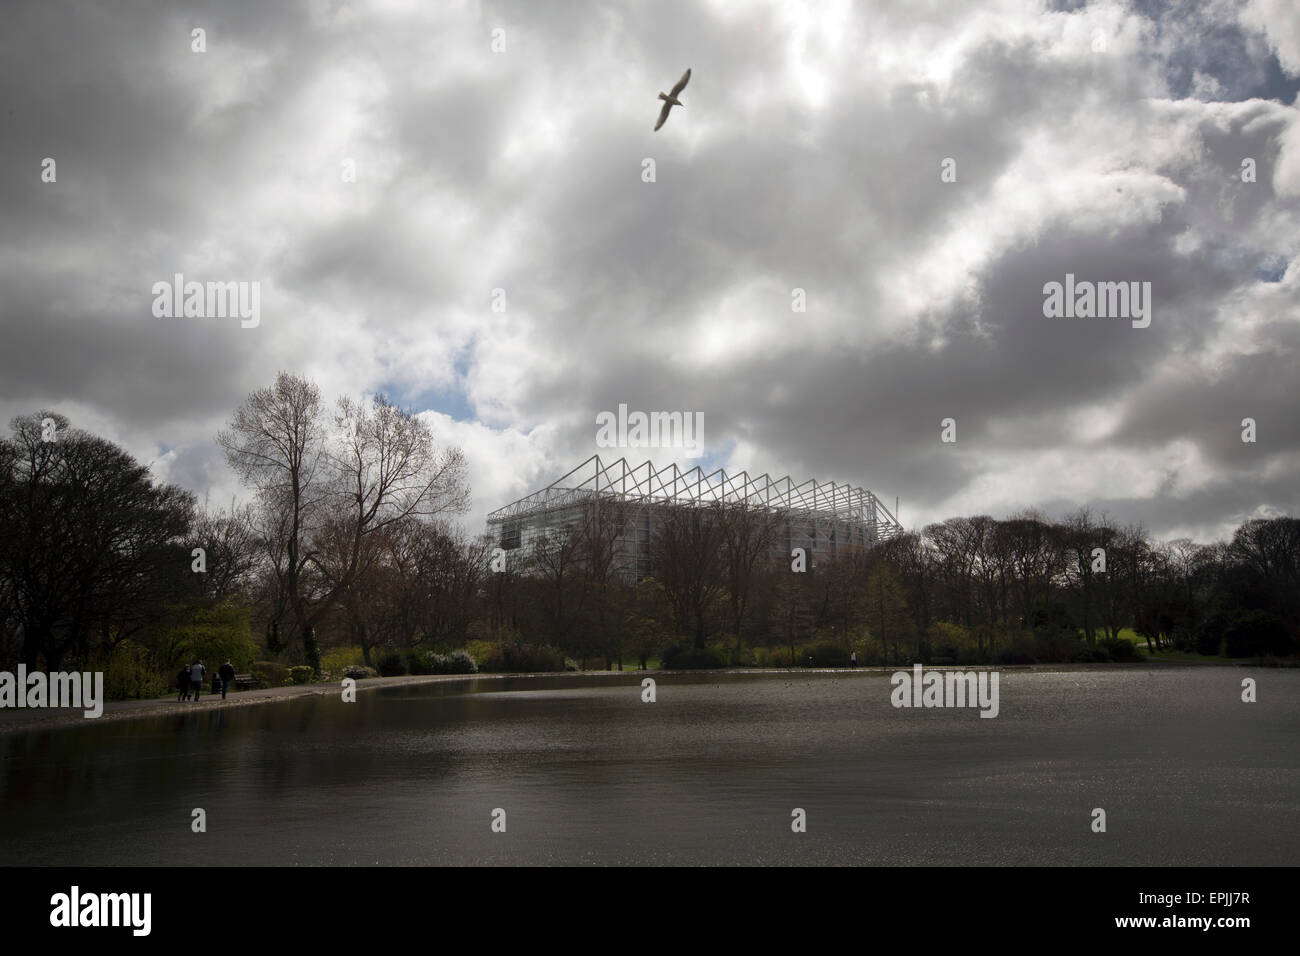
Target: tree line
{"points": [[349, 539], [970, 589]]}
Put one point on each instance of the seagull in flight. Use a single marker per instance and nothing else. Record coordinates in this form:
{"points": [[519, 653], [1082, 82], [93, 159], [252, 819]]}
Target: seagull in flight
{"points": [[671, 100]]}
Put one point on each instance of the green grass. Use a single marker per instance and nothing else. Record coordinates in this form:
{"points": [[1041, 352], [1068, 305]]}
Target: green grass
{"points": [[1130, 635], [1140, 643]]}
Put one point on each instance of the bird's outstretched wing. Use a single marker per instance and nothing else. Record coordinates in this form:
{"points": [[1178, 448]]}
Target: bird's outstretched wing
{"points": [[681, 84], [663, 115]]}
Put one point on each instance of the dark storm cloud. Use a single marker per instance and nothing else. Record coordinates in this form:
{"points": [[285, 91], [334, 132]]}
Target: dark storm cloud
{"points": [[807, 156]]}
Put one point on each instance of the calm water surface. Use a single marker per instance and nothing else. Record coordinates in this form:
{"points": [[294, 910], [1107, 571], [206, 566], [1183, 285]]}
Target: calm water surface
{"points": [[708, 774]]}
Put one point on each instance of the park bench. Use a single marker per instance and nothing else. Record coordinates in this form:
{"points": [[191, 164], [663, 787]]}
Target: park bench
{"points": [[246, 682]]}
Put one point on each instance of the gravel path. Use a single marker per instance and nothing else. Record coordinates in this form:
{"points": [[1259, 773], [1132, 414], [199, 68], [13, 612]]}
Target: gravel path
{"points": [[14, 720]]}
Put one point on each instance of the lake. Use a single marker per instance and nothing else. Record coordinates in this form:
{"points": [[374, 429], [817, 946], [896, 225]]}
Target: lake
{"points": [[708, 774]]}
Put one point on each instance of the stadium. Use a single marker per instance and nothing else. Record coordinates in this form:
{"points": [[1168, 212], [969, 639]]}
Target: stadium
{"points": [[822, 518]]}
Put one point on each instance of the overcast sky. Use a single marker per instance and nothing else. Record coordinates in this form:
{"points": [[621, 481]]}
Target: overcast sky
{"points": [[1104, 140]]}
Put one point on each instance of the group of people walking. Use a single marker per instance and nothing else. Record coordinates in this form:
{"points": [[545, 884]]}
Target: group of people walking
{"points": [[190, 679]]}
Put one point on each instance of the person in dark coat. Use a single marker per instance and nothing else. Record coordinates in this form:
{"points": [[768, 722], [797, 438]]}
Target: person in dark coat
{"points": [[227, 673], [183, 682]]}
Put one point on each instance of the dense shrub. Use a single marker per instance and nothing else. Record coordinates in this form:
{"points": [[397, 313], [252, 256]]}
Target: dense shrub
{"points": [[480, 650], [722, 653], [955, 642], [1120, 650], [1016, 647], [300, 675], [212, 634], [537, 657], [871, 653], [359, 671], [1209, 635], [1244, 634], [522, 658], [823, 654], [685, 657], [335, 660], [457, 662], [391, 664], [1256, 633], [1093, 655], [270, 673], [731, 655], [772, 656], [1056, 645], [420, 663], [130, 674]]}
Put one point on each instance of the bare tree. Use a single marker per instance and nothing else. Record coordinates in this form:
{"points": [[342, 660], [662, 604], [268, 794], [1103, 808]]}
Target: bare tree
{"points": [[1079, 539], [385, 470], [1126, 555], [887, 613], [687, 552], [1036, 560], [747, 534], [275, 442], [957, 545], [793, 607], [1270, 549], [231, 546], [604, 523], [914, 559], [556, 559], [331, 495]]}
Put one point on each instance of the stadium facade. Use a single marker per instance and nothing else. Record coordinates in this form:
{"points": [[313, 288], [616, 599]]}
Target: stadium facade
{"points": [[823, 518]]}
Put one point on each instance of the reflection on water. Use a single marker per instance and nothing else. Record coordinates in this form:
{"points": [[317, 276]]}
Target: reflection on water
{"points": [[709, 773]]}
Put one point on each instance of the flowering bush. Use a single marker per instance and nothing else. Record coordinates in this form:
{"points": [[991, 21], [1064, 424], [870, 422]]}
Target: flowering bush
{"points": [[457, 662]]}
